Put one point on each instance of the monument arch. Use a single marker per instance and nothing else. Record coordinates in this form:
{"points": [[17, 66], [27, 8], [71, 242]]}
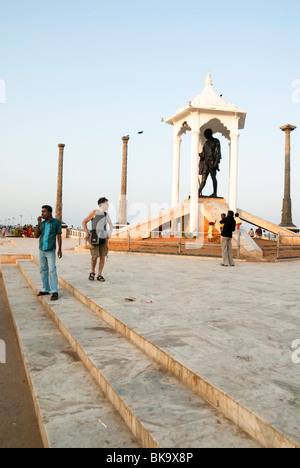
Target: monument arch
{"points": [[208, 110]]}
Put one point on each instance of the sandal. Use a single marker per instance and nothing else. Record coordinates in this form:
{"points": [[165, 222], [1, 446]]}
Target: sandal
{"points": [[92, 276], [100, 278]]}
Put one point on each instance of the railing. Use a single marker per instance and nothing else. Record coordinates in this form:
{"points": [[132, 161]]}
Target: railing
{"points": [[78, 234], [200, 243], [288, 246], [185, 243]]}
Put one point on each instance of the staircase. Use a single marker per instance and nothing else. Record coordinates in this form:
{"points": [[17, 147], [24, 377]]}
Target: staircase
{"points": [[269, 249], [97, 383]]}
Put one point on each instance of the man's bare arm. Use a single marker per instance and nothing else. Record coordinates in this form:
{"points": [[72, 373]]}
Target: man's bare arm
{"points": [[37, 232], [59, 241], [111, 226], [87, 220]]}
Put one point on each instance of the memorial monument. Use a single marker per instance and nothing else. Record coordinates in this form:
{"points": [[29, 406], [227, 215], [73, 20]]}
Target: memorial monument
{"points": [[206, 116], [207, 111], [286, 220]]}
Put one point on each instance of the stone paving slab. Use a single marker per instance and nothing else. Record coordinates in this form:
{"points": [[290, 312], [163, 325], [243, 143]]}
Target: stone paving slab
{"points": [[173, 415], [232, 326]]}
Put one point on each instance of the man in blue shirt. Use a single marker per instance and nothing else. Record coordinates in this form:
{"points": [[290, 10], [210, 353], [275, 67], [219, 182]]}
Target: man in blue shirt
{"points": [[47, 231]]}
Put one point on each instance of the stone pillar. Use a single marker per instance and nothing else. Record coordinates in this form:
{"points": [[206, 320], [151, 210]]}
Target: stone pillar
{"points": [[59, 204], [286, 220], [195, 135], [176, 170], [123, 198], [233, 176]]}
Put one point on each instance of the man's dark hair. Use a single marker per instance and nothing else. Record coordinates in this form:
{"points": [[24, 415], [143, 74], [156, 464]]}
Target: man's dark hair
{"points": [[102, 200], [48, 207], [231, 213]]}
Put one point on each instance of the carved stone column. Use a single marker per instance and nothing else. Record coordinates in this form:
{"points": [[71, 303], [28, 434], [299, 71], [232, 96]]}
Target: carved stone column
{"points": [[286, 220], [123, 198], [59, 204], [176, 170], [233, 176]]}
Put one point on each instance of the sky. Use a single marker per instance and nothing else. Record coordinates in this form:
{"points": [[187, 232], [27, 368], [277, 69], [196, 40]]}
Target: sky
{"points": [[86, 73]]}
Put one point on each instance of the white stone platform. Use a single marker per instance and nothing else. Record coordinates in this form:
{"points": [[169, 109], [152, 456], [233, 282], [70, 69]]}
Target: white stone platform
{"points": [[226, 332]]}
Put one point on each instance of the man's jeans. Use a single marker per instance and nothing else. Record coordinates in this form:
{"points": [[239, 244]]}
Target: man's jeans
{"points": [[48, 269]]}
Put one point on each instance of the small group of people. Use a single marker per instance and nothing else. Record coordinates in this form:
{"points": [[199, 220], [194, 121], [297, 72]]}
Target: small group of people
{"points": [[49, 232], [211, 226], [259, 234], [28, 231]]}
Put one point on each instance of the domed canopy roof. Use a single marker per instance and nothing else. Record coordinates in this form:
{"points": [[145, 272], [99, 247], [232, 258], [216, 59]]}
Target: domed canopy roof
{"points": [[211, 104], [210, 99]]}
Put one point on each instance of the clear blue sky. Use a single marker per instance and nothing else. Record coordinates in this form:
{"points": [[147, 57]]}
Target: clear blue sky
{"points": [[85, 73]]}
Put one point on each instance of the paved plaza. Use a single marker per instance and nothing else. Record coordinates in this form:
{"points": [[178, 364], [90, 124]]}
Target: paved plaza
{"points": [[234, 327]]}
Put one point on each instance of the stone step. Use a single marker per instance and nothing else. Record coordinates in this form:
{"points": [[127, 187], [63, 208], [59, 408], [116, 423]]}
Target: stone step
{"points": [[72, 411], [159, 409], [226, 398]]}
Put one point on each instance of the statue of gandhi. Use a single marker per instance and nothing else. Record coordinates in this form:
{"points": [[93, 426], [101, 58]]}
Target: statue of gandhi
{"points": [[210, 160]]}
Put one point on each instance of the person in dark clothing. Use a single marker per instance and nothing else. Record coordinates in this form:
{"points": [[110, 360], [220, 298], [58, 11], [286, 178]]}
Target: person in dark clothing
{"points": [[229, 226]]}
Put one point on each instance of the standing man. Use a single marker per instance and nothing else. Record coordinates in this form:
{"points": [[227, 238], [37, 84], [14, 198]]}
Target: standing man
{"points": [[98, 237], [47, 231], [210, 161], [229, 226]]}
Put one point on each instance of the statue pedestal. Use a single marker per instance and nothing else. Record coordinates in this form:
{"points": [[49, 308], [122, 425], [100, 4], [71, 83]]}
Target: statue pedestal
{"points": [[290, 227], [211, 198]]}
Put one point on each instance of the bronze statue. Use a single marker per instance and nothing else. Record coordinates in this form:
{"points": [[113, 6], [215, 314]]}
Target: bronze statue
{"points": [[210, 160]]}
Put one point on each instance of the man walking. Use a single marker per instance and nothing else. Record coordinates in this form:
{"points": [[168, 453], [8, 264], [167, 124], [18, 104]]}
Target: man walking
{"points": [[229, 226], [98, 237], [47, 231]]}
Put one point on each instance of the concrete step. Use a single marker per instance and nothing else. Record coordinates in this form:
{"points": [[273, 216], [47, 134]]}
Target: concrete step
{"points": [[71, 409], [134, 321], [107, 301], [158, 408]]}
